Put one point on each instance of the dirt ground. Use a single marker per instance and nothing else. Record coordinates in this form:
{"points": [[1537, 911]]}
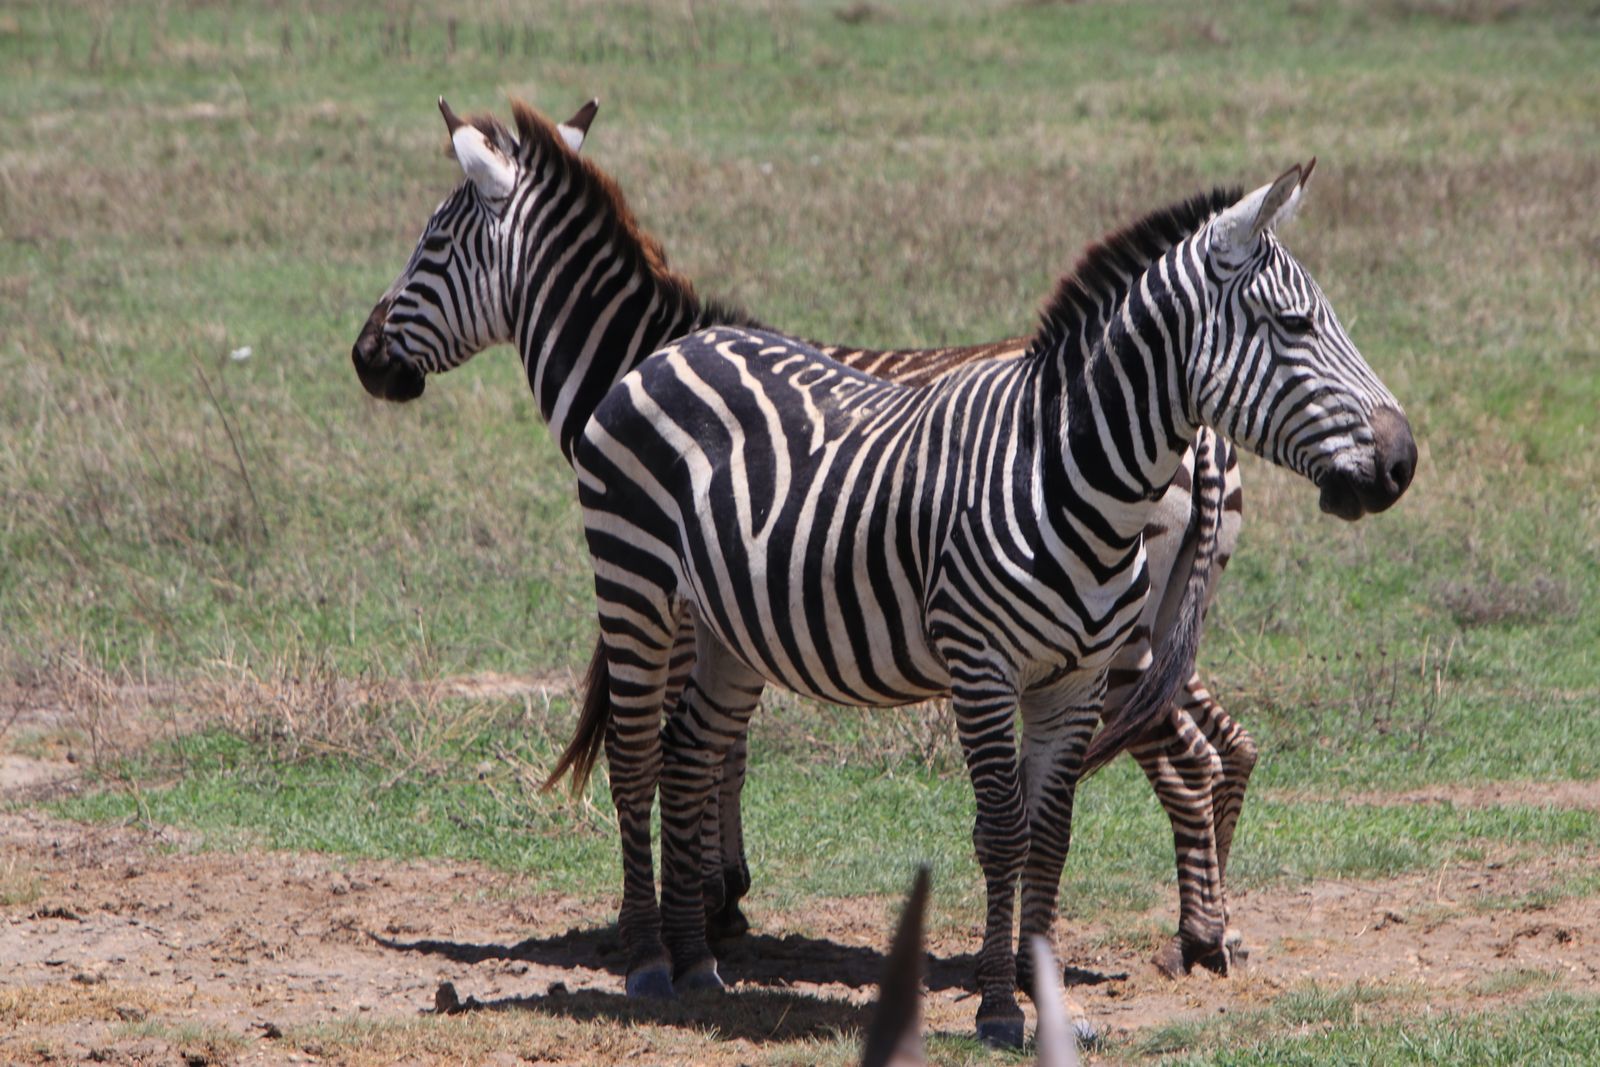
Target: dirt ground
{"points": [[127, 944], [115, 929]]}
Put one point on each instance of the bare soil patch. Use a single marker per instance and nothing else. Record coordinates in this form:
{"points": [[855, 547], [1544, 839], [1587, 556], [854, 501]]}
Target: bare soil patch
{"points": [[124, 943], [1583, 795]]}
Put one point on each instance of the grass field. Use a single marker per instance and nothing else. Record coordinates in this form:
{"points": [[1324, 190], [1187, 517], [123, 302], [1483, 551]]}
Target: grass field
{"points": [[247, 595]]}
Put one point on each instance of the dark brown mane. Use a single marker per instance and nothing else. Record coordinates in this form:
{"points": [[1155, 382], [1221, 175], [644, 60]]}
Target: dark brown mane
{"points": [[1085, 297], [538, 138]]}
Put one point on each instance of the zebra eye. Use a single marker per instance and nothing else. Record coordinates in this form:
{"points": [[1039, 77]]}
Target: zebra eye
{"points": [[1296, 323]]}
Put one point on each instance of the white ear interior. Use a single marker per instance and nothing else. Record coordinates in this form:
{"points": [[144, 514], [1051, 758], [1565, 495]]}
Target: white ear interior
{"points": [[489, 170], [1237, 228], [575, 129]]}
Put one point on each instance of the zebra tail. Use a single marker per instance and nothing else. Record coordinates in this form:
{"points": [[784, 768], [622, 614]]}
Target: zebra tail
{"points": [[583, 751], [1173, 665]]}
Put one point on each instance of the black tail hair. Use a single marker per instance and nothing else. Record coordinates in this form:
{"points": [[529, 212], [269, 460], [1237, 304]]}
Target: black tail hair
{"points": [[583, 751], [1158, 686], [896, 1032]]}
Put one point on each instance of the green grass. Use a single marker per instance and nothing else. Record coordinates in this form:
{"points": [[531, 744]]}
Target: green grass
{"points": [[1555, 1029], [178, 181], [816, 829]]}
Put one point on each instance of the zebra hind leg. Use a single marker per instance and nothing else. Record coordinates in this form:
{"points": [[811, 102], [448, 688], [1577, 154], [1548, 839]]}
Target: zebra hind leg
{"points": [[726, 874], [1186, 771], [712, 714], [1237, 750], [726, 870], [633, 675]]}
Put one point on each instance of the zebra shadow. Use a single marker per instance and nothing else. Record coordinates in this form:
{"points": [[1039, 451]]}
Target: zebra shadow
{"points": [[759, 1016], [765, 960]]}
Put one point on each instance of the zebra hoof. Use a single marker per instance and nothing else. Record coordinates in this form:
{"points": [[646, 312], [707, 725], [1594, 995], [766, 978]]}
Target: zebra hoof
{"points": [[701, 978], [728, 924], [1238, 953], [650, 983], [1001, 1033], [1169, 959]]}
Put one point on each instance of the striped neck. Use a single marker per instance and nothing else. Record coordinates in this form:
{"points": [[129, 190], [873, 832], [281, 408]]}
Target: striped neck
{"points": [[589, 293], [1125, 418]]}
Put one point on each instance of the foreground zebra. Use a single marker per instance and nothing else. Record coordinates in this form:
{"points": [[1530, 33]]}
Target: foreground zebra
{"points": [[873, 544], [538, 248]]}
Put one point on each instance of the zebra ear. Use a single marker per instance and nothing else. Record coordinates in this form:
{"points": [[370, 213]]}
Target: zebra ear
{"points": [[1237, 229], [488, 167], [575, 129]]}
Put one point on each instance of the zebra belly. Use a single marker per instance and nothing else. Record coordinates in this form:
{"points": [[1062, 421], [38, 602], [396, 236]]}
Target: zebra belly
{"points": [[829, 666]]}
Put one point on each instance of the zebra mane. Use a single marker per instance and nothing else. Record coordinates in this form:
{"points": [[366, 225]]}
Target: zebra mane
{"points": [[1085, 297], [538, 140]]}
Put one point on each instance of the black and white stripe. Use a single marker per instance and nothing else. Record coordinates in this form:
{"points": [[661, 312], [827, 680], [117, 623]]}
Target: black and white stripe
{"points": [[874, 544], [537, 247]]}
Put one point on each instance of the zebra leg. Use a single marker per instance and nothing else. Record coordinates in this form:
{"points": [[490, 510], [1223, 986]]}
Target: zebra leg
{"points": [[711, 715], [1238, 753], [1056, 727], [1185, 771], [726, 875], [637, 670], [731, 880], [983, 713]]}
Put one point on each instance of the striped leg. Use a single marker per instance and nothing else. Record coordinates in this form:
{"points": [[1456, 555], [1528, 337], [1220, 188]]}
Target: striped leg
{"points": [[1056, 726], [1238, 754], [1186, 771], [984, 708], [711, 715], [726, 872], [637, 650]]}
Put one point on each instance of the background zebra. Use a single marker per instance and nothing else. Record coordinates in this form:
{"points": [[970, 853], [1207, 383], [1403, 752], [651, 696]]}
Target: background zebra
{"points": [[873, 544], [537, 247]]}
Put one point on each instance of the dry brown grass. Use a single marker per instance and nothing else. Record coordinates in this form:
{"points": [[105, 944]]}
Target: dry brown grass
{"points": [[86, 998]]}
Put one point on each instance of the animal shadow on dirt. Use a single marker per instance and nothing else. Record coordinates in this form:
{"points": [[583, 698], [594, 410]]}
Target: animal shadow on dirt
{"points": [[756, 959], [759, 1016]]}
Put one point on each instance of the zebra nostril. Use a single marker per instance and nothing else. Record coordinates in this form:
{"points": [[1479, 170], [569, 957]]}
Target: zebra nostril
{"points": [[1400, 475], [1396, 453]]}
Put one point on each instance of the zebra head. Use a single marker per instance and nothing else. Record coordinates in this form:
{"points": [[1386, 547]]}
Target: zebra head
{"points": [[1279, 374], [449, 303]]}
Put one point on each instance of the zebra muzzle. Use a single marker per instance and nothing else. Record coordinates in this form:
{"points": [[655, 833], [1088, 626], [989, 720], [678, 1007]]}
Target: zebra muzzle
{"points": [[384, 373], [1394, 462]]}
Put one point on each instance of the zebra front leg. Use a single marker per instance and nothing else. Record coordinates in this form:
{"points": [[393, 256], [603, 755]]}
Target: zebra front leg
{"points": [[983, 716], [1185, 771], [1238, 753], [1056, 727], [711, 715]]}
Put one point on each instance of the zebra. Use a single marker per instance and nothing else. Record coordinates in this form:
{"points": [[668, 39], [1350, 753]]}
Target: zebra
{"points": [[873, 544], [537, 247]]}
